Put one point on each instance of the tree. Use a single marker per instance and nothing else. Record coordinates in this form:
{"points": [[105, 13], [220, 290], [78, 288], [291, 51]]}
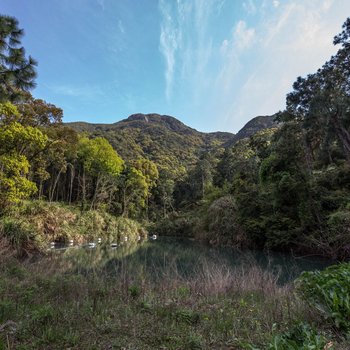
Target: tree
{"points": [[17, 73], [133, 191], [150, 172], [17, 144], [102, 164], [36, 112], [321, 101]]}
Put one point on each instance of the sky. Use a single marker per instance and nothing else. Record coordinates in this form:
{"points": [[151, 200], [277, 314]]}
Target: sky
{"points": [[213, 64]]}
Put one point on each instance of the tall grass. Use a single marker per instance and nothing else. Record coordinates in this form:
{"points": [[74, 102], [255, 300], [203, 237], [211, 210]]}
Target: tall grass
{"points": [[35, 224]]}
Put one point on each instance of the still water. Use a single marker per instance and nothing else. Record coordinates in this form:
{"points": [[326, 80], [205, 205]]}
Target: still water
{"points": [[182, 258]]}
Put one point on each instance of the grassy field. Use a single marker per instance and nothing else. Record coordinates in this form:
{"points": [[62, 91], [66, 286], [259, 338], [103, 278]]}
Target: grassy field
{"points": [[53, 304]]}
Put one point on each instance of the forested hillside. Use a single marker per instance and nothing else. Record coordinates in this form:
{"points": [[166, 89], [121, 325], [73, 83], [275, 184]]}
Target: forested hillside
{"points": [[282, 182], [172, 145]]}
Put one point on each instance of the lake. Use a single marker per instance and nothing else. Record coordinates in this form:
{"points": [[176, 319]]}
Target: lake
{"points": [[181, 258]]}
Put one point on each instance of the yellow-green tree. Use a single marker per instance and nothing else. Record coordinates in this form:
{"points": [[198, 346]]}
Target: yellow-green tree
{"points": [[18, 144], [102, 164]]}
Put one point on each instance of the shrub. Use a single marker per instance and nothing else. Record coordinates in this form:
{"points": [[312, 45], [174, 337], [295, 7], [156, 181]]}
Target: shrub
{"points": [[301, 337], [221, 223], [19, 234], [328, 291]]}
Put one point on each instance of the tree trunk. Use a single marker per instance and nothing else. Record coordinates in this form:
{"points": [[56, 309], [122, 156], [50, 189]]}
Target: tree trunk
{"points": [[97, 186], [54, 185], [343, 136]]}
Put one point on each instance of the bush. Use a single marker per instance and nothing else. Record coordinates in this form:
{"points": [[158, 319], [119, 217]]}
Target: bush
{"points": [[19, 234], [328, 291], [221, 225], [300, 337], [180, 226]]}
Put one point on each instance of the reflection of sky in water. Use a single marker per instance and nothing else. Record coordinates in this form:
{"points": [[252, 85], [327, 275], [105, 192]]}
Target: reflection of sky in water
{"points": [[183, 258]]}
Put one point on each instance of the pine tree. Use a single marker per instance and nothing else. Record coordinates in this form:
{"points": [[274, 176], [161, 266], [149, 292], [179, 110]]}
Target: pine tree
{"points": [[17, 73]]}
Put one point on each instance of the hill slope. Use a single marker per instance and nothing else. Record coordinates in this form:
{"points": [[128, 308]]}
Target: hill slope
{"points": [[166, 140], [163, 139], [253, 126]]}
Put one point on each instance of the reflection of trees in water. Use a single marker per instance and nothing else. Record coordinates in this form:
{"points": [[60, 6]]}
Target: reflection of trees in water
{"points": [[177, 258]]}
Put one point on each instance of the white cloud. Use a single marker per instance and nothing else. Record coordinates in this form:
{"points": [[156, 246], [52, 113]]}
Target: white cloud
{"points": [[169, 37], [250, 7], [121, 27], [243, 36], [241, 39], [295, 40], [85, 91], [249, 71], [185, 41], [275, 3]]}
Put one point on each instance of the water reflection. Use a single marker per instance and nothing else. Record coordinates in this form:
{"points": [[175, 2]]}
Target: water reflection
{"points": [[183, 258]]}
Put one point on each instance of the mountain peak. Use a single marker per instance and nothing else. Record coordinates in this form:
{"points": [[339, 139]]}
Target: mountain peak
{"points": [[253, 126], [140, 120]]}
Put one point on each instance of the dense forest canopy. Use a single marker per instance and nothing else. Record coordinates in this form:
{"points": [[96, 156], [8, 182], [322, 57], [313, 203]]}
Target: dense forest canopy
{"points": [[282, 183]]}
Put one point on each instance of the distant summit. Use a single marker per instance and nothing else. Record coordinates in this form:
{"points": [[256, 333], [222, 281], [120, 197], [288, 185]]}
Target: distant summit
{"points": [[165, 139], [161, 138], [140, 120], [252, 127]]}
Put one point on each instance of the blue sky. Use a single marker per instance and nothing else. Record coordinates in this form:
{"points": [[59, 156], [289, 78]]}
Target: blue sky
{"points": [[213, 64]]}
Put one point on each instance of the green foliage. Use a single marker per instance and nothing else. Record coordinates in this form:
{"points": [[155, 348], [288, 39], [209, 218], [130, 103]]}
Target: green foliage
{"points": [[175, 225], [99, 157], [38, 113], [42, 315], [221, 224], [14, 186], [171, 145], [20, 234], [300, 337], [17, 71], [187, 316], [328, 291], [8, 111], [17, 144], [134, 291], [37, 223]]}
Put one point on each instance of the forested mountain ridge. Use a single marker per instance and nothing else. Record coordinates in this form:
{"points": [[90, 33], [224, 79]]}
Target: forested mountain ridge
{"points": [[166, 140], [161, 138]]}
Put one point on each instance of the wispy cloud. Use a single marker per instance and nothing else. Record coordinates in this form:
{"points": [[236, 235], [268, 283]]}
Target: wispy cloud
{"points": [[169, 38], [185, 40], [291, 39], [243, 36], [248, 71], [84, 91], [250, 7], [121, 26]]}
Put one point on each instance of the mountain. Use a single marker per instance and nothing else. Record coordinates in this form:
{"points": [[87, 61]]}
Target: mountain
{"points": [[253, 126], [166, 140], [161, 138]]}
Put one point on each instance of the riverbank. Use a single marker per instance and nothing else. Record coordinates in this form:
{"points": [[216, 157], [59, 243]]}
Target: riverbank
{"points": [[30, 228], [54, 303]]}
